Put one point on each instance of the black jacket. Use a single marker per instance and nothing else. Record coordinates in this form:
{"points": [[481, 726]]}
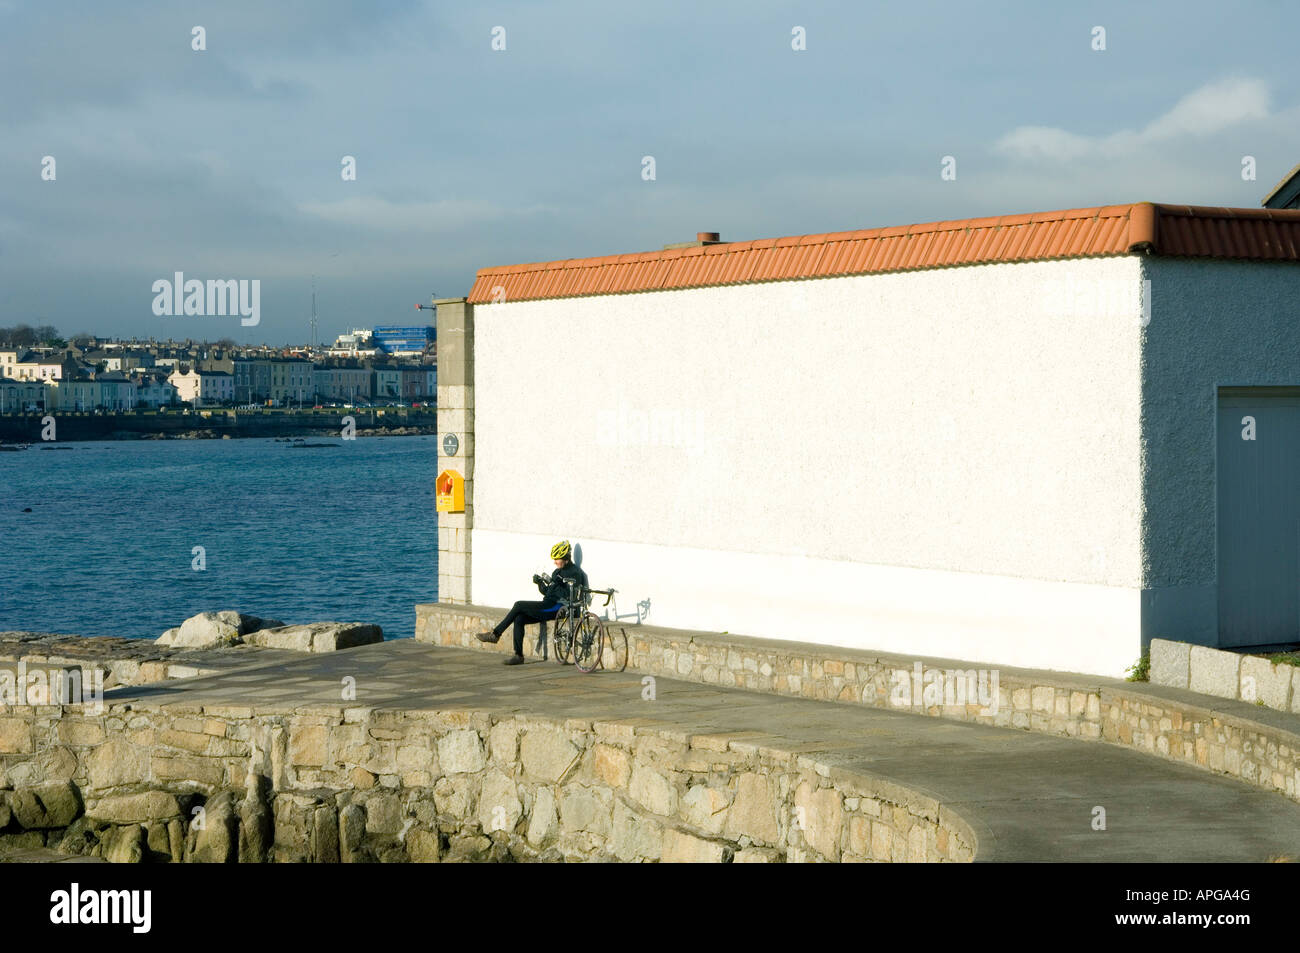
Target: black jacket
{"points": [[558, 590]]}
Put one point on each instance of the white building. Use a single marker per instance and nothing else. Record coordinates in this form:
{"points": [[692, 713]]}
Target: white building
{"points": [[203, 388], [359, 342], [40, 367], [1034, 440]]}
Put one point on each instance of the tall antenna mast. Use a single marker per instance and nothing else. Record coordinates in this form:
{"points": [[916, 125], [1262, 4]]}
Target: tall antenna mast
{"points": [[313, 312]]}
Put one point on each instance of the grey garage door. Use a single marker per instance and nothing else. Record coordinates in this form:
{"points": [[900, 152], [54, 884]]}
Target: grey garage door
{"points": [[1259, 516]]}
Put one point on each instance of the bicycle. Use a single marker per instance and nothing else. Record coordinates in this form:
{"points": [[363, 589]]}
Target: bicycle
{"points": [[588, 637], [574, 624], [561, 639]]}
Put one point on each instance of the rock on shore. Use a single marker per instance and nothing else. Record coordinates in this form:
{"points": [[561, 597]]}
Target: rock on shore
{"points": [[212, 629], [218, 629], [317, 636]]}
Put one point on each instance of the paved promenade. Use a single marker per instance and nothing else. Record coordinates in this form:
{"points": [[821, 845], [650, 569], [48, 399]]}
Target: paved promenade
{"points": [[1030, 797]]}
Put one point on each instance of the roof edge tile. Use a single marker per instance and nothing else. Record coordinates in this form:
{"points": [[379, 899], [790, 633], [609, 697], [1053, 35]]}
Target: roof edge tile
{"points": [[1262, 234]]}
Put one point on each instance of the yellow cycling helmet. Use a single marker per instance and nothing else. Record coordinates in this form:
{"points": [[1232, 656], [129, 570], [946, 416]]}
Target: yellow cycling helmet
{"points": [[560, 550]]}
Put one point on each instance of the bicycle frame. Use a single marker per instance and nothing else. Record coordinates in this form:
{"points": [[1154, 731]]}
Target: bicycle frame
{"points": [[585, 630]]}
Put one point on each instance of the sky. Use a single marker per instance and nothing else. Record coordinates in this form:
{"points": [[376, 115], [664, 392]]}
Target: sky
{"points": [[227, 162]]}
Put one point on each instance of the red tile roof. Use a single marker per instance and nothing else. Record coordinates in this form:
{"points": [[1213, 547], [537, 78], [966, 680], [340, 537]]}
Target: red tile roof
{"points": [[1180, 230]]}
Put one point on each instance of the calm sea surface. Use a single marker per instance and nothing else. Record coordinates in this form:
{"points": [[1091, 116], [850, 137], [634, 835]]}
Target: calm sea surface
{"points": [[345, 533]]}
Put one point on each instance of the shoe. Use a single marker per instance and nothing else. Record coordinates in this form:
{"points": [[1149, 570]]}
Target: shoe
{"points": [[488, 636], [515, 660]]}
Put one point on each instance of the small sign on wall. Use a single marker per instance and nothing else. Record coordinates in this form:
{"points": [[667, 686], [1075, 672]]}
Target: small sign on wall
{"points": [[450, 492]]}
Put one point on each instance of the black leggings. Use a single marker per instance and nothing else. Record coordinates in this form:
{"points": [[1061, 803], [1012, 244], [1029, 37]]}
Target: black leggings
{"points": [[522, 613]]}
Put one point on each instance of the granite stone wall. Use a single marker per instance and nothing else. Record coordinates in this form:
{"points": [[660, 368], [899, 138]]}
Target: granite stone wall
{"points": [[1223, 674], [142, 783]]}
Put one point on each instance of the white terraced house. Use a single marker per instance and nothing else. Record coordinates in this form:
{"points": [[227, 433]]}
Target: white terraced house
{"points": [[203, 388]]}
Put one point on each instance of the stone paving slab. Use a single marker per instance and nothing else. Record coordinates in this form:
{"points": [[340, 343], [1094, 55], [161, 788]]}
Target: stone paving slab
{"points": [[1030, 796]]}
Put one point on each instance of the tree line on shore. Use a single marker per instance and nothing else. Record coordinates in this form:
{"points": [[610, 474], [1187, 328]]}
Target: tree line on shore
{"points": [[24, 335]]}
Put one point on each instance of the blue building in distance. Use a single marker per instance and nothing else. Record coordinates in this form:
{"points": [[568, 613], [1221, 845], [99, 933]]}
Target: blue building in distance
{"points": [[396, 340]]}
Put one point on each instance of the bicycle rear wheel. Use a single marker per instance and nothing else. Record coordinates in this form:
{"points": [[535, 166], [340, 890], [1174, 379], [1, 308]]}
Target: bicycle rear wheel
{"points": [[614, 656], [588, 640]]}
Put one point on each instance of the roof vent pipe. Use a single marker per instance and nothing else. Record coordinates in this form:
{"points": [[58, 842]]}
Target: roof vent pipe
{"points": [[701, 239]]}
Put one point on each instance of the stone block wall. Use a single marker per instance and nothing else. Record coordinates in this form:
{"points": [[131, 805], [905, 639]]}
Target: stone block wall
{"points": [[142, 784], [1053, 703], [1222, 674]]}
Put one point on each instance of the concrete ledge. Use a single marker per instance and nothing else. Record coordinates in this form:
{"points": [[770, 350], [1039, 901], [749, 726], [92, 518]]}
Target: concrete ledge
{"points": [[1244, 741]]}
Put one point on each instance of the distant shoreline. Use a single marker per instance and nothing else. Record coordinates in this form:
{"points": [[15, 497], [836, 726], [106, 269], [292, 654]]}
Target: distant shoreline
{"points": [[218, 424]]}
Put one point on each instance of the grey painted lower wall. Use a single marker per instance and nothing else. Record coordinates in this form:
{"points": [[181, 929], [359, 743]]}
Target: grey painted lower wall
{"points": [[1187, 613], [1213, 324]]}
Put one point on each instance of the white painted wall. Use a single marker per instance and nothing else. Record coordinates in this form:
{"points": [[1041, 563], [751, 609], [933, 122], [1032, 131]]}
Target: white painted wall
{"points": [[944, 462]]}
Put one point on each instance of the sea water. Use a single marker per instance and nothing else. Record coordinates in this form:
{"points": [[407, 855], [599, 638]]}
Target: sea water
{"points": [[129, 538]]}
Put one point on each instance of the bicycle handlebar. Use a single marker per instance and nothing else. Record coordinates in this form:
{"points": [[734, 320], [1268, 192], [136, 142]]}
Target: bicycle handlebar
{"points": [[607, 593]]}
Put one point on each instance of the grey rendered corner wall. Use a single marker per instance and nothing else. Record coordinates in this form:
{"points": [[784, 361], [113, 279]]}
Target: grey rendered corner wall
{"points": [[1212, 323]]}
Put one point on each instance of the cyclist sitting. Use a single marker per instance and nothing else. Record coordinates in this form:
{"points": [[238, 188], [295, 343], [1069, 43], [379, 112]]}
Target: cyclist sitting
{"points": [[554, 589]]}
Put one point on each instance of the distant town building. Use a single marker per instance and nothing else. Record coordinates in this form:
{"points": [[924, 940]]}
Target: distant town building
{"points": [[117, 360], [203, 388], [31, 366], [387, 382], [75, 394], [216, 363], [359, 342], [342, 383], [412, 340], [291, 381], [252, 380], [21, 396], [116, 391], [125, 375], [154, 390], [419, 382]]}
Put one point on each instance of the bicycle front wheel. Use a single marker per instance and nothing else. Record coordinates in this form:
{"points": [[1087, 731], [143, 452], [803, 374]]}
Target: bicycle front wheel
{"points": [[561, 637], [588, 640]]}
